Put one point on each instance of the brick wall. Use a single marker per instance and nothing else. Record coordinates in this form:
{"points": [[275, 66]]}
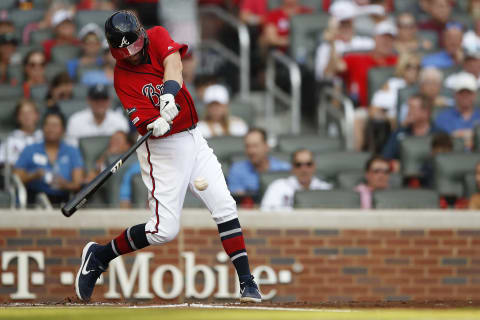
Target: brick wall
{"points": [[324, 263]]}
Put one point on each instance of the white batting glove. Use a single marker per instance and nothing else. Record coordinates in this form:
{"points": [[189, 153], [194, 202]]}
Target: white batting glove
{"points": [[159, 127], [168, 108]]}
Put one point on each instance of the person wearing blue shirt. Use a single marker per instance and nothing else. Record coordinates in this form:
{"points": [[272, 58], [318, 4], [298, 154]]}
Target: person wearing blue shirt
{"points": [[51, 166], [459, 121], [126, 185], [452, 55], [243, 178]]}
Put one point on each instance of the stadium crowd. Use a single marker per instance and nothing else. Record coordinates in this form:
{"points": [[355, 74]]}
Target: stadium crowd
{"points": [[410, 68]]}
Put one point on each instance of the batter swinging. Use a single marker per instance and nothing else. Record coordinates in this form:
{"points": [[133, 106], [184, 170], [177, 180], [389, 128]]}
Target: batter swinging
{"points": [[148, 81]]}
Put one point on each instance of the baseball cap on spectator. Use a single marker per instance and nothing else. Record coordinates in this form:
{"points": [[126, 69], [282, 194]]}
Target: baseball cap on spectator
{"points": [[343, 10], [372, 9], [98, 92], [60, 16], [90, 28], [216, 93], [471, 52], [465, 81], [385, 27]]}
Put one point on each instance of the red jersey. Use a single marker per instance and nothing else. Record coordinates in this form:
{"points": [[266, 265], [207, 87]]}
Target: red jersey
{"points": [[356, 75], [139, 87]]}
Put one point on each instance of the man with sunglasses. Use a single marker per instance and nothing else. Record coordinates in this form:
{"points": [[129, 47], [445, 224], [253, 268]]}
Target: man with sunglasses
{"points": [[377, 175], [279, 195]]}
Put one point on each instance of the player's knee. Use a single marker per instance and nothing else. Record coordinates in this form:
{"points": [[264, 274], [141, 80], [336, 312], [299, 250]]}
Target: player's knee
{"points": [[225, 210]]}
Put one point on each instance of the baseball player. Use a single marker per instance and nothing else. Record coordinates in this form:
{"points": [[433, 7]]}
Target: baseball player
{"points": [[148, 81]]}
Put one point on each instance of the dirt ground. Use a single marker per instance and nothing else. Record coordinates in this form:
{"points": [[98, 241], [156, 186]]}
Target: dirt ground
{"points": [[438, 304]]}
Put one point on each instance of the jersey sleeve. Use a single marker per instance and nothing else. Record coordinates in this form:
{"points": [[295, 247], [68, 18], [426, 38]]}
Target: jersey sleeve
{"points": [[163, 44]]}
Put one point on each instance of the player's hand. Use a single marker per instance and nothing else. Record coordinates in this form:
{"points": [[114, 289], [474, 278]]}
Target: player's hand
{"points": [[159, 127], [168, 108]]}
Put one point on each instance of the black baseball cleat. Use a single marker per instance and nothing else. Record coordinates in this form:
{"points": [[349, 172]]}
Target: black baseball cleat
{"points": [[249, 291], [90, 270]]}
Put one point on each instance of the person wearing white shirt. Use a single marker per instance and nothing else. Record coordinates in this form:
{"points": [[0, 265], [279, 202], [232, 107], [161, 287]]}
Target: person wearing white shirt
{"points": [[218, 121], [339, 37], [96, 120], [27, 116], [281, 192]]}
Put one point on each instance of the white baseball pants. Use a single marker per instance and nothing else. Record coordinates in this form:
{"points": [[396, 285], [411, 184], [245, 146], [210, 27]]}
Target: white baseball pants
{"points": [[169, 166]]}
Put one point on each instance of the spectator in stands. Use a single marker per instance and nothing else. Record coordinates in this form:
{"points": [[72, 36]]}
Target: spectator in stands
{"points": [[61, 88], [471, 64], [372, 12], [471, 38], [218, 121], [51, 166], [279, 194], [243, 178], [33, 71], [441, 143], [459, 121], [355, 67], [26, 116], [8, 54], [91, 37], [126, 185], [452, 54], [103, 75], [406, 74], [119, 143], [98, 119], [440, 12], [340, 38], [377, 174], [276, 27], [64, 30], [407, 39], [474, 202], [430, 82], [418, 124], [252, 12]]}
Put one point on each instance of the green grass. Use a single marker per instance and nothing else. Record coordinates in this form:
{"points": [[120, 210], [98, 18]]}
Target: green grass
{"points": [[106, 313]]}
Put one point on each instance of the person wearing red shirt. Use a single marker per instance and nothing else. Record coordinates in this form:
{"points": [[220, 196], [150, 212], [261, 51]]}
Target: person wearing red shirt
{"points": [[65, 30], [354, 70], [252, 12], [277, 24], [148, 80]]}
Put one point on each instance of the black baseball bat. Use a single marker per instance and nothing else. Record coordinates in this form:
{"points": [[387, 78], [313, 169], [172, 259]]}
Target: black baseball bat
{"points": [[83, 195]]}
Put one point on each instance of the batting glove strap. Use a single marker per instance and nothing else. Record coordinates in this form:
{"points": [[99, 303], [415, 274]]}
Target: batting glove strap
{"points": [[159, 127], [168, 108]]}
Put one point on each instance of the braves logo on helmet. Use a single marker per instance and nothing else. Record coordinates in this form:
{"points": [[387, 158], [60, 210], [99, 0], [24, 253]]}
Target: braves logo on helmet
{"points": [[153, 93], [124, 43]]}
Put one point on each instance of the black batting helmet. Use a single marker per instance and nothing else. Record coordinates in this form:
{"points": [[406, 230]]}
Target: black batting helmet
{"points": [[125, 34]]}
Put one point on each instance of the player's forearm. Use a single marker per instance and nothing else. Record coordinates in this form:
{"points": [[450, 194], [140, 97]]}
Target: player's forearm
{"points": [[173, 68]]}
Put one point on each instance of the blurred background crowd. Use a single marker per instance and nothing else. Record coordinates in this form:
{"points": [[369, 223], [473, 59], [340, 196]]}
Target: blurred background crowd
{"points": [[307, 103]]}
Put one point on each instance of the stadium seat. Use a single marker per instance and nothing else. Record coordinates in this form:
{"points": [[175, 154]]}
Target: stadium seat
{"points": [[476, 138], [8, 92], [139, 192], [15, 74], [304, 36], [41, 4], [470, 185], [428, 35], [313, 142], [53, 69], [284, 156], [191, 201], [92, 148], [349, 180], [226, 146], [64, 53], [23, 17], [314, 4], [7, 4], [449, 172], [404, 5], [334, 199], [99, 17], [111, 189], [377, 77], [69, 107], [402, 97], [414, 151], [39, 36], [268, 177], [80, 91], [5, 199], [329, 165], [405, 199], [39, 93], [242, 109], [7, 115]]}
